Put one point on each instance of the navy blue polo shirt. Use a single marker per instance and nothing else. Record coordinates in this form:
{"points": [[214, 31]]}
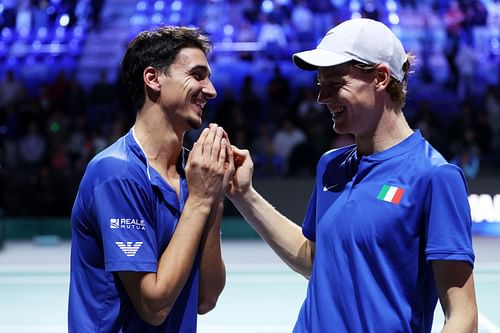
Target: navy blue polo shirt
{"points": [[123, 218], [378, 222]]}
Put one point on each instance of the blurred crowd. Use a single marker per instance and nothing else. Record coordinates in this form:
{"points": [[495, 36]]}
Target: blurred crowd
{"points": [[26, 15], [48, 134]]}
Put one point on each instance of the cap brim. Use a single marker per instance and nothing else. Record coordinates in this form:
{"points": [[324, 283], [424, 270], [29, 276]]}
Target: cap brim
{"points": [[313, 59]]}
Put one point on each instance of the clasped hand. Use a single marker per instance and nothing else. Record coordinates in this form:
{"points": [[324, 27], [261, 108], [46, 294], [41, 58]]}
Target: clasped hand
{"points": [[210, 165]]}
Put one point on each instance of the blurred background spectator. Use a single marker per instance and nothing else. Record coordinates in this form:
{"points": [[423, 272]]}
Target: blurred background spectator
{"points": [[61, 101]]}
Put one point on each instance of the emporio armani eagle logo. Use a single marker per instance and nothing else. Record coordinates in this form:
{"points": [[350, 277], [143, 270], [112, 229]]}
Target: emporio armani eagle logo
{"points": [[129, 248]]}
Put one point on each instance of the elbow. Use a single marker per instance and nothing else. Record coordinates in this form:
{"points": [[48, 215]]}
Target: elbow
{"points": [[155, 318], [303, 261], [154, 314], [304, 271], [307, 275], [207, 305], [208, 300]]}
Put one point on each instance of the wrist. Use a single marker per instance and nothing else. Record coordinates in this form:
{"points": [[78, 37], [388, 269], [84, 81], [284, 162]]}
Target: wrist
{"points": [[242, 195], [218, 203], [200, 204]]}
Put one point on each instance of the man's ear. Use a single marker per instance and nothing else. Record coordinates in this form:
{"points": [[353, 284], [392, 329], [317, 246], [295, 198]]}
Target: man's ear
{"points": [[151, 78], [383, 76]]}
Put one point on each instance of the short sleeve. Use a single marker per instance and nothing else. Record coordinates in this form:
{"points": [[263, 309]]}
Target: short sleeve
{"points": [[125, 221], [448, 233], [309, 224]]}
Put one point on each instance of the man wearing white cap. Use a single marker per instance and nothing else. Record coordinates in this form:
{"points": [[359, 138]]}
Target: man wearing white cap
{"points": [[388, 229]]}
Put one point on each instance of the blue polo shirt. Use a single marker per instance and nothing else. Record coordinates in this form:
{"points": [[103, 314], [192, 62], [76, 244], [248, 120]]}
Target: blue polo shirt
{"points": [[378, 222], [122, 220]]}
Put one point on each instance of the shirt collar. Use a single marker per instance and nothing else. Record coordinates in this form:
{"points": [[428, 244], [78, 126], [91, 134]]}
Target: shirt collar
{"points": [[404, 146], [138, 150]]}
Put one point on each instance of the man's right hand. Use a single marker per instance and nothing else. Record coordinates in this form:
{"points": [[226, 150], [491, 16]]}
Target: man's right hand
{"points": [[205, 165]]}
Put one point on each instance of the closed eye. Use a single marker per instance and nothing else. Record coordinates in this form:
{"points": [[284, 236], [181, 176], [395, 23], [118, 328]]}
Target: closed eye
{"points": [[200, 73], [331, 84]]}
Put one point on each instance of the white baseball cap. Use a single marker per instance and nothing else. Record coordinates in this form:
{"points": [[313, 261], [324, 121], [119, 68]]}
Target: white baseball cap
{"points": [[364, 40]]}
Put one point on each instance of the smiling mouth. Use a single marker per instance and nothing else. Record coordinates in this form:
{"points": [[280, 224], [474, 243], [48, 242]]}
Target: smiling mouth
{"points": [[338, 111], [200, 104]]}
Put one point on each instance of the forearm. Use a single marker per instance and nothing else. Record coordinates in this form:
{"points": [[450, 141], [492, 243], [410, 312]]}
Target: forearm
{"points": [[158, 291], [284, 236], [462, 317], [212, 269], [455, 286], [177, 260], [460, 324]]}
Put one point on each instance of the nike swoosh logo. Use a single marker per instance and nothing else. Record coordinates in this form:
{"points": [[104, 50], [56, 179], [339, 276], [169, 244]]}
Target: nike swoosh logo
{"points": [[327, 188]]}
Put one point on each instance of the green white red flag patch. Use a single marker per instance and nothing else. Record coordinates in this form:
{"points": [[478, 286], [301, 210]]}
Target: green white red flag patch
{"points": [[391, 194]]}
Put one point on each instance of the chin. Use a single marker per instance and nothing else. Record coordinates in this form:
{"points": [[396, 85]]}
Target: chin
{"points": [[194, 123], [338, 130]]}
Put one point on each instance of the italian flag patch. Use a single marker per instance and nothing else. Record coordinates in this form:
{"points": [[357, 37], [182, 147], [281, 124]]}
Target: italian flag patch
{"points": [[391, 194]]}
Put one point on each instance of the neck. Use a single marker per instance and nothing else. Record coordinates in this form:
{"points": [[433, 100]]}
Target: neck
{"points": [[161, 144], [391, 130]]}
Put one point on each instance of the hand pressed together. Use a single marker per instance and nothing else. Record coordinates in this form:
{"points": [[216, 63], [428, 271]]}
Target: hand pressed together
{"points": [[207, 166]]}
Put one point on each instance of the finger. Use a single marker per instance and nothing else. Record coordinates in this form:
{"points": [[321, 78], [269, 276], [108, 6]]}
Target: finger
{"points": [[230, 155], [225, 136], [216, 148], [198, 145], [223, 150], [238, 155], [209, 141]]}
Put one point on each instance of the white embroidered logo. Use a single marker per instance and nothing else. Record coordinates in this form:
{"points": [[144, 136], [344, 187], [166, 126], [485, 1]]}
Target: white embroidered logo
{"points": [[128, 248], [127, 223], [114, 223], [328, 188]]}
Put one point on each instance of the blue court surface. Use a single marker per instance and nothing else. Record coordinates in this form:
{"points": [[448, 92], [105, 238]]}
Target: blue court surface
{"points": [[262, 295]]}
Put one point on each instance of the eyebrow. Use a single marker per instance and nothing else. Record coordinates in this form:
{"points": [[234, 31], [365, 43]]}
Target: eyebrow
{"points": [[330, 76], [337, 73]]}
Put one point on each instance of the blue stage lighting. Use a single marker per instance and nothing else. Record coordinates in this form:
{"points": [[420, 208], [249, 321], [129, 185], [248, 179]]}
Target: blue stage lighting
{"points": [[64, 20], [141, 6], [267, 6], [228, 30], [6, 33], [391, 5], [393, 18], [175, 18], [176, 6], [156, 19], [159, 6], [356, 15], [42, 33], [37, 45], [60, 32], [354, 6]]}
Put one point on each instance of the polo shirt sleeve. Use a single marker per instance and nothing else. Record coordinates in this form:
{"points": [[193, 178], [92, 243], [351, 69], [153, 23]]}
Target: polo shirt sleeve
{"points": [[125, 221], [448, 232], [309, 224]]}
